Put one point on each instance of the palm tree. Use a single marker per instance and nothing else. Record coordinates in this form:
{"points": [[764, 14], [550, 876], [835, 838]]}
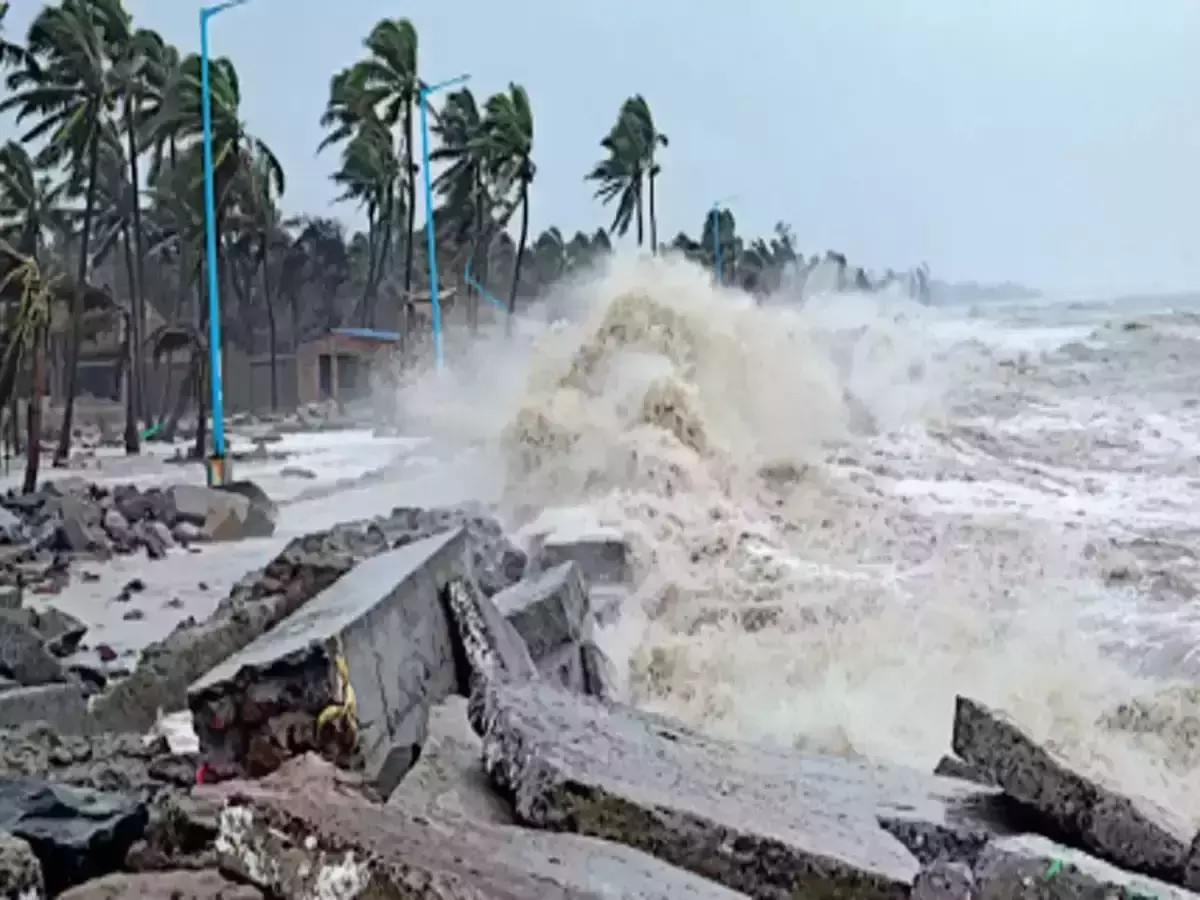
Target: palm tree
{"points": [[466, 205], [22, 283], [507, 142], [630, 157], [67, 85], [389, 77]]}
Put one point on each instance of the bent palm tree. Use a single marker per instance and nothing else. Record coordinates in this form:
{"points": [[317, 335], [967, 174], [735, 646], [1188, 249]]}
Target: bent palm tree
{"points": [[66, 84], [630, 147], [389, 77], [507, 142]]}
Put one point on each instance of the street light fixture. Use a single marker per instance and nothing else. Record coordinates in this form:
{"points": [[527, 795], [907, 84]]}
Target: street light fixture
{"points": [[434, 300], [217, 468]]}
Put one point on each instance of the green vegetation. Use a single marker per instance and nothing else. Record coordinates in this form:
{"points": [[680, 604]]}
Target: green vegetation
{"points": [[101, 208]]}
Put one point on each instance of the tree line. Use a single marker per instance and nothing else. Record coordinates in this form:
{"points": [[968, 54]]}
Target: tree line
{"points": [[102, 213]]}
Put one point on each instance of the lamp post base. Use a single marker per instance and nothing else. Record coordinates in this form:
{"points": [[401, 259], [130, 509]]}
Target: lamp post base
{"points": [[218, 471]]}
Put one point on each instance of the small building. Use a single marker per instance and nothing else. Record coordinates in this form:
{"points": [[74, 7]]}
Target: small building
{"points": [[339, 366]]}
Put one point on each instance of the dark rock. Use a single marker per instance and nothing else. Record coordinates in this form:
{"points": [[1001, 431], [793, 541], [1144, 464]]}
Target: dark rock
{"points": [[134, 615], [1033, 868], [1127, 831], [23, 654], [76, 833], [306, 826], [599, 674], [106, 653], [20, 871], [297, 472], [953, 767], [945, 880], [61, 631], [12, 529], [386, 624], [767, 822], [202, 885], [181, 834]]}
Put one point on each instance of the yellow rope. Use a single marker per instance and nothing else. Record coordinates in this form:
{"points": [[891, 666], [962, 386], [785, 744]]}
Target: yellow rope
{"points": [[345, 711]]}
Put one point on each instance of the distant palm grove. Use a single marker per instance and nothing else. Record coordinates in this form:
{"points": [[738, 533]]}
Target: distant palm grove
{"points": [[102, 214]]}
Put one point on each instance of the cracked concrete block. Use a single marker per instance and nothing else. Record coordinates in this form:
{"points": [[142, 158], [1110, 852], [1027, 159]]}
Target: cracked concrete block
{"points": [[386, 622]]}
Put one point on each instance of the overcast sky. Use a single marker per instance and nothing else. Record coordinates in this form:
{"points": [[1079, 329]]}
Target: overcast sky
{"points": [[1055, 142]]}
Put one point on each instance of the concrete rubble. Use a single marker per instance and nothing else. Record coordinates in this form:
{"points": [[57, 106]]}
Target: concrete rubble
{"points": [[405, 708], [43, 531]]}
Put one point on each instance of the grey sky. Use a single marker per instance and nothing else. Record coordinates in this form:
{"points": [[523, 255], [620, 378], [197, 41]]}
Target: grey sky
{"points": [[1056, 142]]}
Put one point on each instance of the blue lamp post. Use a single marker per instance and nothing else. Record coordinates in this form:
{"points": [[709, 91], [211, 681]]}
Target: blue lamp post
{"points": [[218, 472], [434, 300]]}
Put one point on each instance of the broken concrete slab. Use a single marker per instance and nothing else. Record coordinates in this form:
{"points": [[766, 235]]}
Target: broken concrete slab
{"points": [[490, 646], [1125, 830], [62, 706], [202, 885], [602, 556], [769, 822], [448, 780], [1031, 867], [376, 645], [76, 833], [305, 826], [549, 610], [20, 871]]}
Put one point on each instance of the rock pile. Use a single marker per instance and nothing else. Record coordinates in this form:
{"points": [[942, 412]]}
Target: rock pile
{"points": [[40, 532], [381, 725]]}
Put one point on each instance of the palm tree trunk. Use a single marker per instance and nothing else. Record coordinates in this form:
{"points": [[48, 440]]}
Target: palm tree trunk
{"points": [[641, 227], [129, 357], [272, 343], [372, 252], [63, 451], [33, 411], [139, 298], [512, 295], [653, 218], [187, 390], [412, 206]]}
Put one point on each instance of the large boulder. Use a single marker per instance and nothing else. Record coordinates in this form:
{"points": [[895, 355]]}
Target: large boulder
{"points": [[76, 833], [1126, 830]]}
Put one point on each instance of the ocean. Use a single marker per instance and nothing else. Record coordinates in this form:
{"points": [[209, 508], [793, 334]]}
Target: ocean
{"points": [[846, 509]]}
